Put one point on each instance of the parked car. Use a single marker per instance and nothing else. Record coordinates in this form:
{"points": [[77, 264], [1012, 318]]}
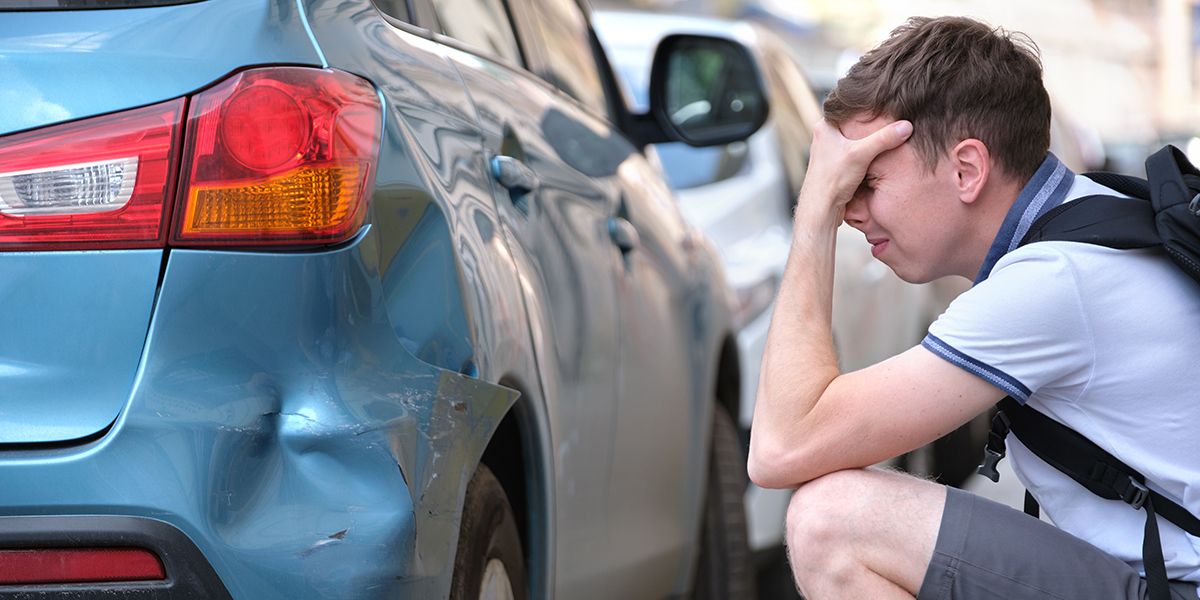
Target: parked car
{"points": [[742, 195], [352, 299]]}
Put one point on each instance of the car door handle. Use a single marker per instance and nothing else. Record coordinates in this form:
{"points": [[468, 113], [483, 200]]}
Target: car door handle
{"points": [[623, 234], [511, 173]]}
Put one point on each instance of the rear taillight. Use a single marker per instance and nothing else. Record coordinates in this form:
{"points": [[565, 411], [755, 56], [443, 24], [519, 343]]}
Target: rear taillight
{"points": [[96, 183], [271, 156], [278, 155], [78, 565]]}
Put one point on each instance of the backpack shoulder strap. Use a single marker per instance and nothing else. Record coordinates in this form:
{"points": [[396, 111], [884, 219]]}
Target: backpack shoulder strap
{"points": [[1164, 211], [1122, 223], [1134, 187], [1104, 475], [1090, 465]]}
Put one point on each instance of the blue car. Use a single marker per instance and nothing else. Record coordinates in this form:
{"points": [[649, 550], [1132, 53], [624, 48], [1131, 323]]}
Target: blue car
{"points": [[359, 299]]}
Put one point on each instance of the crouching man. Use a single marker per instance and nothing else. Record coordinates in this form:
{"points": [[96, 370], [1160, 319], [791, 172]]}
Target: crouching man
{"points": [[935, 146]]}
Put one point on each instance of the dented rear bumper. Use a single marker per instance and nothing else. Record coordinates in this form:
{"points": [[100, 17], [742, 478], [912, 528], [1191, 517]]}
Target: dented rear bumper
{"points": [[280, 424]]}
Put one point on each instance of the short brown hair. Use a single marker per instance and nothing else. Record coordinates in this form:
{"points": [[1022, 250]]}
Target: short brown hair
{"points": [[955, 78]]}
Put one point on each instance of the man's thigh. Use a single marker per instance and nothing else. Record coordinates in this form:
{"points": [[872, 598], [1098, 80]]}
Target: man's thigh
{"points": [[986, 550]]}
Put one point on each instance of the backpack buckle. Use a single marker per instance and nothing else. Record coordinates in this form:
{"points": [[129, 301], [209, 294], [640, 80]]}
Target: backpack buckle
{"points": [[1194, 207], [1136, 494], [991, 458], [995, 449]]}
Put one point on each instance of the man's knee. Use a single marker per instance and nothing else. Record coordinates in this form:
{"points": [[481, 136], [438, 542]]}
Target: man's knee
{"points": [[819, 526], [819, 511], [825, 512], [860, 523]]}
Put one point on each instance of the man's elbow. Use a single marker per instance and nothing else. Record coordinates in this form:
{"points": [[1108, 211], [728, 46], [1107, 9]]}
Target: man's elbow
{"points": [[772, 467]]}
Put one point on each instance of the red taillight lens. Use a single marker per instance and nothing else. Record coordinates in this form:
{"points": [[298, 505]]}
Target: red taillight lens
{"points": [[272, 156], [78, 565], [280, 155], [263, 127], [96, 183]]}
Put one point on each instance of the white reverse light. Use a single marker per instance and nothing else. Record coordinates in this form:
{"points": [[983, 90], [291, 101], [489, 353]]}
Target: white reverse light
{"points": [[68, 189]]}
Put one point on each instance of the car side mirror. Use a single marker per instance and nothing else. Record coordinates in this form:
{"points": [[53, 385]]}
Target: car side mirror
{"points": [[705, 91]]}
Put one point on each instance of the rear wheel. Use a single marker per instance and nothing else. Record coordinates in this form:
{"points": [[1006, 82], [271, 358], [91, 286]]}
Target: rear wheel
{"points": [[489, 564], [725, 570]]}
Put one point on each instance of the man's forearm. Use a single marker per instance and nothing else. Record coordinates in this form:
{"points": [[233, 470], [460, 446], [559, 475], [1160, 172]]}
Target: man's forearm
{"points": [[799, 361]]}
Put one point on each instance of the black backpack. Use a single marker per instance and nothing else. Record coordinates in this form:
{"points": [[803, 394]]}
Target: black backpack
{"points": [[1164, 211]]}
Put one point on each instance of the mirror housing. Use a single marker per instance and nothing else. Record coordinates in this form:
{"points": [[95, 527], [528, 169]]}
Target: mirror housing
{"points": [[704, 91]]}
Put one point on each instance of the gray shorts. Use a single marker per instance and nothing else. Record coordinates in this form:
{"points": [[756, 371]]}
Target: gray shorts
{"points": [[988, 550]]}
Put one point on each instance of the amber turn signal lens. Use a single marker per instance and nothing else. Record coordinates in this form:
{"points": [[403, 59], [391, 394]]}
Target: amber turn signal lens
{"points": [[307, 200]]}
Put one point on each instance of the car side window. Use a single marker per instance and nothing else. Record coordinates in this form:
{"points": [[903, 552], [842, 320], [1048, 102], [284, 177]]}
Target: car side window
{"points": [[569, 63], [687, 167], [397, 9], [481, 24]]}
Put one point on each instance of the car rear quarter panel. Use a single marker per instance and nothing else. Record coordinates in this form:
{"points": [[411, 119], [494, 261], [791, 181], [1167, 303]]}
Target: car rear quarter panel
{"points": [[459, 288]]}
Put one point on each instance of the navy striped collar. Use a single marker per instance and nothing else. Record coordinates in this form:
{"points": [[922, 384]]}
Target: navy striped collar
{"points": [[1046, 189]]}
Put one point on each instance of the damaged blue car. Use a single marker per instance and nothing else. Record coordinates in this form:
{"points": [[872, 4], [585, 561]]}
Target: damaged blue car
{"points": [[359, 299]]}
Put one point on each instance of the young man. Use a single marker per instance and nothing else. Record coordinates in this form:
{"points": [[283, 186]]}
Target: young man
{"points": [[935, 147]]}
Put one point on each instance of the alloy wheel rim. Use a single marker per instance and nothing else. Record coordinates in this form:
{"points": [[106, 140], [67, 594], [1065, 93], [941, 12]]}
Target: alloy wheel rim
{"points": [[495, 585]]}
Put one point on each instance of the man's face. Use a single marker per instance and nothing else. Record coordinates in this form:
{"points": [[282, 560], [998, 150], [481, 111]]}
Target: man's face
{"points": [[909, 214]]}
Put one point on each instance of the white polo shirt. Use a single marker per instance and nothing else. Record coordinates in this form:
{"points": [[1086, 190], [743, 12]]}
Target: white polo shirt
{"points": [[1105, 341]]}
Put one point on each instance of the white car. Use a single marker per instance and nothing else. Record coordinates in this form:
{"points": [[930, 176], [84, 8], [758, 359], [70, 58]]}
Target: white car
{"points": [[741, 195]]}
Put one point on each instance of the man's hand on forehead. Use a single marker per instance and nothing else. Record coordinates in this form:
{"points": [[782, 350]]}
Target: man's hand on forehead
{"points": [[838, 165]]}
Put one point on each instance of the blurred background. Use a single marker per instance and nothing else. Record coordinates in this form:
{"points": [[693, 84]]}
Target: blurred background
{"points": [[1124, 75]]}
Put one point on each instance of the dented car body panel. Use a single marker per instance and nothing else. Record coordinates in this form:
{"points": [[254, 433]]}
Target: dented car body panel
{"points": [[284, 428], [310, 419]]}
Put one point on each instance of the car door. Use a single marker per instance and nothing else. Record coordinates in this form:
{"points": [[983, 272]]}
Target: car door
{"points": [[569, 186], [652, 496], [660, 435], [554, 205]]}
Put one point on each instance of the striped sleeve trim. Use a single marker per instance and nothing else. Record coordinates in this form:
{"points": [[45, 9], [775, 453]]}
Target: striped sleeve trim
{"points": [[992, 375]]}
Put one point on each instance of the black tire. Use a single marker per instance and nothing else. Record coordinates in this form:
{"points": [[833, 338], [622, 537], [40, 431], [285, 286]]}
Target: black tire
{"points": [[725, 570], [775, 580], [488, 533]]}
